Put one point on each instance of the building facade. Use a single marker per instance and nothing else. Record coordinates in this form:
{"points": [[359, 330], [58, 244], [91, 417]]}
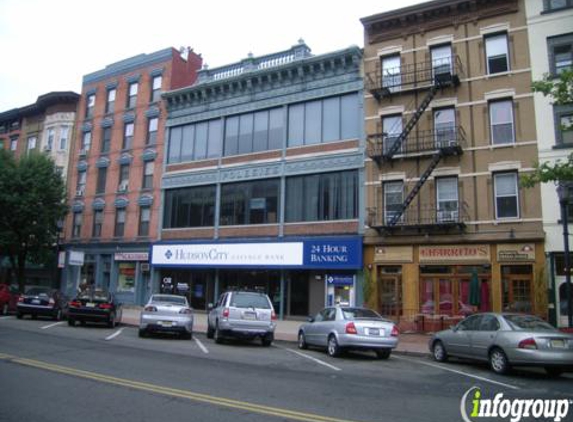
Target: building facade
{"points": [[450, 127], [551, 42], [262, 182], [115, 171]]}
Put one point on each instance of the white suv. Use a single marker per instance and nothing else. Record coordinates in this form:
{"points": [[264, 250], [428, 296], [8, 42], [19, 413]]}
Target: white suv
{"points": [[242, 314]]}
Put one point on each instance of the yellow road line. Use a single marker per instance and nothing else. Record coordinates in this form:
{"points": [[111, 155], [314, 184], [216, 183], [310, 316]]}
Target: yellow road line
{"points": [[204, 398]]}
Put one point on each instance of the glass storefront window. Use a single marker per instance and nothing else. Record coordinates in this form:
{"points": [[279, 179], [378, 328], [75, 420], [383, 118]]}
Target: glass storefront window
{"points": [[516, 288], [126, 277]]}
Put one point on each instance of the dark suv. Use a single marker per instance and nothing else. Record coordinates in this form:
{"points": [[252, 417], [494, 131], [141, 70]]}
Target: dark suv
{"points": [[242, 314]]}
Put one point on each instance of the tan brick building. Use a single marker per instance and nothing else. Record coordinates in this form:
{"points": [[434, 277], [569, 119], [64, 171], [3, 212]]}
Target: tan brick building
{"points": [[450, 123]]}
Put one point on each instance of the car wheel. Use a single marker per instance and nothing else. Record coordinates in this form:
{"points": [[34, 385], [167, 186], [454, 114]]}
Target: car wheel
{"points": [[554, 371], [217, 335], [384, 353], [19, 315], [82, 323], [34, 316], [333, 348], [5, 309], [210, 331], [187, 336], [498, 362], [112, 322], [71, 322], [302, 341], [439, 352], [267, 339]]}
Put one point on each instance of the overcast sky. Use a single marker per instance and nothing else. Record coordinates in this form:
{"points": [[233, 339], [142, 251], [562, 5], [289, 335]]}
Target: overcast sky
{"points": [[49, 45]]}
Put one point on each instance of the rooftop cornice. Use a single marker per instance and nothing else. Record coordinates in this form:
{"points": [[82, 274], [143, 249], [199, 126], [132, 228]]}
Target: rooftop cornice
{"points": [[41, 104]]}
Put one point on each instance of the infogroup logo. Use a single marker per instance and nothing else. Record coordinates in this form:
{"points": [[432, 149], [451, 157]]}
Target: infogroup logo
{"points": [[513, 409]]}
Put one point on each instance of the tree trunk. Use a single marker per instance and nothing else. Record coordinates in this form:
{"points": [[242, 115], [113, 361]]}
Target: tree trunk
{"points": [[21, 272]]}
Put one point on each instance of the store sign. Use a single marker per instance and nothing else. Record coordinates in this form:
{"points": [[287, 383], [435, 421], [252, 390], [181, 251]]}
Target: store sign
{"points": [[455, 253], [340, 280], [317, 254], [516, 252], [76, 258], [394, 254], [131, 256]]}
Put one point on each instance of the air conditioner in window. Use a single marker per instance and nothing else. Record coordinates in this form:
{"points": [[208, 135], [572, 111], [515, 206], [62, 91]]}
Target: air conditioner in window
{"points": [[145, 268], [47, 148], [80, 192], [83, 152], [447, 216], [123, 186]]}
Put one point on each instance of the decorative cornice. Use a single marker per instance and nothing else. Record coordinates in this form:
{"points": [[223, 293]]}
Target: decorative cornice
{"points": [[152, 112], [82, 165], [125, 158], [149, 155], [87, 127], [107, 122], [145, 201], [129, 118], [98, 204], [121, 202], [102, 162], [78, 206]]}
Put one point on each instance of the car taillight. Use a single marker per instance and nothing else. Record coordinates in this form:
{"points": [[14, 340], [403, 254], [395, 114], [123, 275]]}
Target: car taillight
{"points": [[76, 304], [185, 311], [528, 343], [105, 306], [226, 313], [51, 302], [150, 309], [273, 316], [395, 332], [351, 328], [20, 298]]}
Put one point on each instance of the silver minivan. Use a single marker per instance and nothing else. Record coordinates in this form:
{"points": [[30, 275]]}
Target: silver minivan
{"points": [[242, 314]]}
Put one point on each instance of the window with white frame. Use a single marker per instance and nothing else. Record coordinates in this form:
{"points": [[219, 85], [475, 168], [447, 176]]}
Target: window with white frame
{"points": [[445, 127], [81, 185], [77, 224], [128, 135], [132, 94], [86, 140], [391, 76], [447, 199], [90, 104], [50, 140], [506, 194], [152, 125], [497, 53], [32, 140], [392, 127], [144, 219], [501, 122], [148, 175], [120, 215], [393, 199], [441, 60], [97, 223], [110, 104], [106, 139], [64, 134], [156, 88], [13, 144]]}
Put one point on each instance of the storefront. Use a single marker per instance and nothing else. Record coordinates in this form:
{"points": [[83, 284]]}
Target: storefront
{"points": [[300, 275], [428, 287]]}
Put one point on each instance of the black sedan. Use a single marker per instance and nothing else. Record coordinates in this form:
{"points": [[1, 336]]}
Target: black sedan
{"points": [[94, 306], [42, 301]]}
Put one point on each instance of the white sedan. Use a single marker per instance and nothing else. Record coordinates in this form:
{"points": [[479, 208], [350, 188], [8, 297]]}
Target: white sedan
{"points": [[166, 313]]}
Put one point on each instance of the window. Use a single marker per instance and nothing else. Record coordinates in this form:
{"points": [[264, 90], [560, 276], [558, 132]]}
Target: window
{"points": [[90, 104], [501, 120], [447, 199], [64, 134], [132, 95], [190, 207], [156, 88], [445, 127], [250, 202], [253, 132], [551, 5], [506, 195], [32, 143], [77, 225], [152, 125], [50, 141], [101, 179], [106, 139], [441, 60], [560, 53], [516, 281], [497, 53], [197, 141], [392, 127], [86, 141], [123, 183], [391, 76], [82, 176], [13, 144], [144, 219], [322, 197], [148, 175], [98, 223], [324, 120], [128, 135], [110, 103], [393, 199], [120, 215]]}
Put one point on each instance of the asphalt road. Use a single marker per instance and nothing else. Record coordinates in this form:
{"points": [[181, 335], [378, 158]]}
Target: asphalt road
{"points": [[52, 372]]}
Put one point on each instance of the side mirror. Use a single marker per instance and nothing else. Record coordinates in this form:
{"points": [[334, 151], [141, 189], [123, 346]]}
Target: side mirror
{"points": [[454, 328], [210, 306], [310, 319]]}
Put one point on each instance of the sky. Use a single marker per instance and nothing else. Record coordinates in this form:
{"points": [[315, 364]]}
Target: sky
{"points": [[48, 45]]}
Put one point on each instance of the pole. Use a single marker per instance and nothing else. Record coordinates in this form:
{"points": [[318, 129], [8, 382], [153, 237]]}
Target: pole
{"points": [[563, 200]]}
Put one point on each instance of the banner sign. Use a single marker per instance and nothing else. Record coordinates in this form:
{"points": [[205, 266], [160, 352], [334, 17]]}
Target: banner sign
{"points": [[516, 252], [340, 280], [76, 258], [131, 256], [455, 253]]}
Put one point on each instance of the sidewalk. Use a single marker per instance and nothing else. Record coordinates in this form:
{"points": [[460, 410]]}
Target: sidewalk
{"points": [[409, 344]]}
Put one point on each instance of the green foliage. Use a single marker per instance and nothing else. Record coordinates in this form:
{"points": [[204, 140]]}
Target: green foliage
{"points": [[32, 200], [560, 89], [560, 171]]}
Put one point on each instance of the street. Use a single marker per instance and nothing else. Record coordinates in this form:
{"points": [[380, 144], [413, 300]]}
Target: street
{"points": [[53, 372]]}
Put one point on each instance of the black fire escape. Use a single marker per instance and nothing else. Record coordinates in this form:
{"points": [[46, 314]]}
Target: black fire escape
{"points": [[436, 144]]}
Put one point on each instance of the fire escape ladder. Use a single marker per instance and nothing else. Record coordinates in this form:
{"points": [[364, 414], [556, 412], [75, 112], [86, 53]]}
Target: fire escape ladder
{"points": [[412, 122], [412, 194]]}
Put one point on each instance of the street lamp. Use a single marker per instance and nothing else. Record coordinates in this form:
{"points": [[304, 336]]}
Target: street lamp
{"points": [[563, 193], [59, 228]]}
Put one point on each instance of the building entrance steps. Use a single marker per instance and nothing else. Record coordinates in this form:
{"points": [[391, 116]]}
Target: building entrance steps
{"points": [[287, 330]]}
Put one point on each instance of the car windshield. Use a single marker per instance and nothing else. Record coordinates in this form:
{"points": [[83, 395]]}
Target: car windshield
{"points": [[38, 291], [178, 300], [359, 313], [528, 323], [246, 300]]}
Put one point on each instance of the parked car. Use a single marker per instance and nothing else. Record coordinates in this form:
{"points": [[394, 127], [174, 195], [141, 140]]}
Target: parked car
{"points": [[94, 305], [344, 328], [505, 340], [8, 299], [166, 313], [42, 301], [242, 314]]}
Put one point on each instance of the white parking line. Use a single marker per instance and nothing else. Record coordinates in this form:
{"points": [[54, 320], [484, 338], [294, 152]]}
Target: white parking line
{"points": [[203, 348], [433, 365], [328, 365], [114, 335], [52, 325]]}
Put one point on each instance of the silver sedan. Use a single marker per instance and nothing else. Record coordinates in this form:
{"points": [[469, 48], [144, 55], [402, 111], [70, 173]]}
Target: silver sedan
{"points": [[166, 313], [505, 340], [342, 328]]}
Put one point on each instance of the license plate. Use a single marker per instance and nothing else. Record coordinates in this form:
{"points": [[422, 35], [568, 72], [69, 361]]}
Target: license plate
{"points": [[249, 315], [35, 301], [90, 305], [166, 323], [558, 343], [373, 332]]}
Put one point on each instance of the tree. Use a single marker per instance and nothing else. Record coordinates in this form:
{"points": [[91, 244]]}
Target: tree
{"points": [[560, 90], [32, 201]]}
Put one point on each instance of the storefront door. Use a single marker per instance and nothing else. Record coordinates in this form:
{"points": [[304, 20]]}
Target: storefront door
{"points": [[517, 281], [390, 292]]}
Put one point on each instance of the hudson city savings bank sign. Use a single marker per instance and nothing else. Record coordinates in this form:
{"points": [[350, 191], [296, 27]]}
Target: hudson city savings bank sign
{"points": [[317, 254]]}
